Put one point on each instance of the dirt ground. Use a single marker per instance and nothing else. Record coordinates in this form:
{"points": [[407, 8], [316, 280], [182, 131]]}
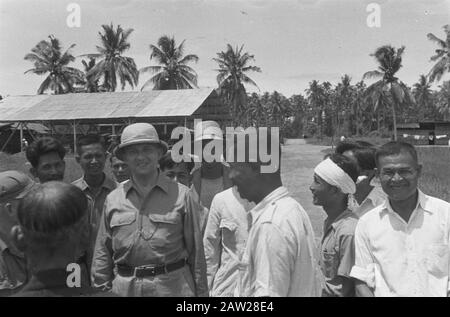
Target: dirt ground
{"points": [[297, 169]]}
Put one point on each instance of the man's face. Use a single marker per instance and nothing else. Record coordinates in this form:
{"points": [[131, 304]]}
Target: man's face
{"points": [[92, 159], [179, 173], [245, 179], [321, 190], [120, 170], [50, 168], [209, 166], [399, 175], [142, 159]]}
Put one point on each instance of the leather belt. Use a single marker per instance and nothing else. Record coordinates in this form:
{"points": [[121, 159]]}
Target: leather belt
{"points": [[144, 270]]}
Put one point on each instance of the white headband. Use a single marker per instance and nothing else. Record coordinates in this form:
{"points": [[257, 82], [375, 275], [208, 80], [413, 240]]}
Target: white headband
{"points": [[335, 176]]}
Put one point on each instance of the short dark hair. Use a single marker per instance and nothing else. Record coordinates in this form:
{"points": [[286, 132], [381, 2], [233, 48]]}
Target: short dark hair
{"points": [[88, 140], [395, 148], [51, 214], [345, 146], [363, 151], [166, 162], [347, 165], [43, 146]]}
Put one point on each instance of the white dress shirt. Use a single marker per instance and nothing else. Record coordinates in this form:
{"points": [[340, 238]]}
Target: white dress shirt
{"points": [[396, 258], [280, 258]]}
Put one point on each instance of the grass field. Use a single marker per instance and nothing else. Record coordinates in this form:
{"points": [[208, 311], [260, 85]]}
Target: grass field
{"points": [[298, 162], [435, 180]]}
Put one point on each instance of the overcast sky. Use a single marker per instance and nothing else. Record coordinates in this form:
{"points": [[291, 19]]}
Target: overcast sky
{"points": [[294, 41]]}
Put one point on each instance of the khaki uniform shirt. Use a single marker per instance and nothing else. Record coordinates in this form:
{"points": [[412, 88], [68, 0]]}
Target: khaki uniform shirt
{"points": [[158, 229], [338, 255], [98, 198], [13, 271]]}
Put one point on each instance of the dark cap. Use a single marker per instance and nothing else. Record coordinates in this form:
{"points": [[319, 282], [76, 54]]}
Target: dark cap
{"points": [[14, 185]]}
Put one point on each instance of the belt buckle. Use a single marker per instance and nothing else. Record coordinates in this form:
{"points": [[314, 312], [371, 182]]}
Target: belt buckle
{"points": [[138, 270]]}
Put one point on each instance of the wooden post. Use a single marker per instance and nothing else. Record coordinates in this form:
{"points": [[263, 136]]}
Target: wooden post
{"points": [[21, 136], [74, 137], [9, 139]]}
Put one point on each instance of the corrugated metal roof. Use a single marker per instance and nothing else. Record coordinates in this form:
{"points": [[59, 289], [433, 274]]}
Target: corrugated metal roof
{"points": [[39, 128], [152, 103]]}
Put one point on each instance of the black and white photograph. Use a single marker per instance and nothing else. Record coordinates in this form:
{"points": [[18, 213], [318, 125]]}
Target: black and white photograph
{"points": [[228, 150]]}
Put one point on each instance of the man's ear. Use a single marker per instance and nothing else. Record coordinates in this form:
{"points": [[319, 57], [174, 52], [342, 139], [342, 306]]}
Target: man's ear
{"points": [[377, 172], [18, 238]]}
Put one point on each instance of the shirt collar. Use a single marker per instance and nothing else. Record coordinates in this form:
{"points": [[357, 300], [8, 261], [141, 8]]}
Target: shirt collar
{"points": [[347, 213], [107, 183], [422, 201], [270, 199], [376, 195], [161, 182], [3, 245]]}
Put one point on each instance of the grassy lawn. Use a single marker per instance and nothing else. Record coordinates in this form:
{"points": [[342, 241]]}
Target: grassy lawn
{"points": [[435, 180], [328, 141]]}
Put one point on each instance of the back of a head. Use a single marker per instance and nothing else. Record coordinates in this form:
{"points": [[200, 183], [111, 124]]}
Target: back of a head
{"points": [[346, 145], [394, 148], [43, 146], [52, 216], [365, 155], [364, 152]]}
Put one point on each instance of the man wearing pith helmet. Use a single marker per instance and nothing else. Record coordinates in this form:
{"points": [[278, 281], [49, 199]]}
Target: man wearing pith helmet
{"points": [[149, 241]]}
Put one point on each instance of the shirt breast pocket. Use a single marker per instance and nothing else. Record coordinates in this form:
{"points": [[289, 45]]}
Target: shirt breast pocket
{"points": [[228, 229], [163, 229], [437, 260], [330, 263], [123, 229]]}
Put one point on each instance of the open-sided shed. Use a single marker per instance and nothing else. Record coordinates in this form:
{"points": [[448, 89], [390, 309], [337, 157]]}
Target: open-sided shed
{"points": [[160, 107]]}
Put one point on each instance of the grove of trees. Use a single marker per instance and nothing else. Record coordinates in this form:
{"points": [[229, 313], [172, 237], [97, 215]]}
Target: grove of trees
{"points": [[349, 107]]}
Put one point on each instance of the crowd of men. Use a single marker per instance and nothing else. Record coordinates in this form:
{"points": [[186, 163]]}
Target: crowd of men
{"points": [[221, 229]]}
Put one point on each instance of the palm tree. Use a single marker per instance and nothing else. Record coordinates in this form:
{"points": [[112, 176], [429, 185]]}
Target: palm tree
{"points": [[360, 114], [48, 58], [113, 65], [279, 108], [299, 107], [442, 55], [388, 91], [422, 94], [256, 112], [443, 100], [174, 72], [233, 66], [343, 99], [315, 96]]}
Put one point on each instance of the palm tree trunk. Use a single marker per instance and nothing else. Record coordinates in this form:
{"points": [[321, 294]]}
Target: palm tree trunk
{"points": [[378, 121], [395, 122]]}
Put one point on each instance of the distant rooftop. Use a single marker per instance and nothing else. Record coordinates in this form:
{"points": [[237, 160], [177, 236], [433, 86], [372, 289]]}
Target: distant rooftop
{"points": [[110, 106]]}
